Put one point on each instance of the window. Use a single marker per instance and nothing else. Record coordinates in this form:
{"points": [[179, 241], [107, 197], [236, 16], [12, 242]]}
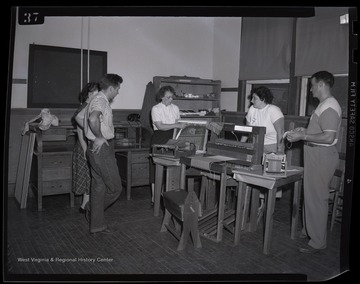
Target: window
{"points": [[279, 89], [339, 91]]}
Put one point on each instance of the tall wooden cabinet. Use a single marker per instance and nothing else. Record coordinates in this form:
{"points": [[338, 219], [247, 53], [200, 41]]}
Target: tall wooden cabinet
{"points": [[51, 171], [197, 98]]}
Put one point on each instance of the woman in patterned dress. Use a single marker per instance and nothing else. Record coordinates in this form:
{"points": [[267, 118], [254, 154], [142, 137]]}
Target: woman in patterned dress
{"points": [[81, 179]]}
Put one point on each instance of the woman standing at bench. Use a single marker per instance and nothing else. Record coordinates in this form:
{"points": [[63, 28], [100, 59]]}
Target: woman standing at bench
{"points": [[164, 116], [81, 179]]}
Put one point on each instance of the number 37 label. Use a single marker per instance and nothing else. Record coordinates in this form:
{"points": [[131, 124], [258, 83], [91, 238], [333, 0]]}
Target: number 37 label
{"points": [[29, 16]]}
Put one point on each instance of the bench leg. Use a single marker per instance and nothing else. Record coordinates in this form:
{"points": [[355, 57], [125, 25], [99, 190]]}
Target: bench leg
{"points": [[195, 232], [184, 235], [166, 221]]}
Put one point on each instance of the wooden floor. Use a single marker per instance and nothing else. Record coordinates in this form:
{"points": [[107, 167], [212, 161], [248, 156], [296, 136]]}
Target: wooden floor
{"points": [[55, 244]]}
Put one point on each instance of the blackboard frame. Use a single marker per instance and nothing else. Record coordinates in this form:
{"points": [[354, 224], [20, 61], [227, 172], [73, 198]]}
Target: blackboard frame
{"points": [[55, 74]]}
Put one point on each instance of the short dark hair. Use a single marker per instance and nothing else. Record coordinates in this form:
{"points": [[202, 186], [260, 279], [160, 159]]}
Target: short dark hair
{"points": [[110, 80], [324, 76], [263, 93], [89, 87], [161, 93]]}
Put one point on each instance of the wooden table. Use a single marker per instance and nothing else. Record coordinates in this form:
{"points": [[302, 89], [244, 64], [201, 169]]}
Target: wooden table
{"points": [[45, 163], [174, 177], [211, 224], [256, 178], [172, 169], [133, 166]]}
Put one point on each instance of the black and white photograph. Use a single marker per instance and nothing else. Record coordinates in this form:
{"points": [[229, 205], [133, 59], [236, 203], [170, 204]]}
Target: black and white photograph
{"points": [[180, 144]]}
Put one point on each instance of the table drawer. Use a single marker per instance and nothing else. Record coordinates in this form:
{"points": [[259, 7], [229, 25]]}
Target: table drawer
{"points": [[56, 161], [56, 173], [140, 174], [54, 134], [140, 181], [140, 158], [140, 169], [56, 187]]}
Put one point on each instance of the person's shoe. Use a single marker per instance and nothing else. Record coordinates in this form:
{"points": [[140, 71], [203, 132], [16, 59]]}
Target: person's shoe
{"points": [[308, 249], [87, 215], [87, 212], [82, 210]]}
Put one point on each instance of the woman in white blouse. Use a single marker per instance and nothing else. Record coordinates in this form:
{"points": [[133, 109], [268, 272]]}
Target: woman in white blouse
{"points": [[164, 116]]}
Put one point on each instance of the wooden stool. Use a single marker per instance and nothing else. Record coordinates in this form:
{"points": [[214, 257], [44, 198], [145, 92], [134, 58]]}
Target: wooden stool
{"points": [[184, 206]]}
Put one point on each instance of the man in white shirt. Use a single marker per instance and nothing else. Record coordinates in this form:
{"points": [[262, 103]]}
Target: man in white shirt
{"points": [[106, 184]]}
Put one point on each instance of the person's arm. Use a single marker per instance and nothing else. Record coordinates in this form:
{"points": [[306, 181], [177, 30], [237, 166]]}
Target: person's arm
{"points": [[244, 138], [279, 127], [163, 126], [94, 124], [82, 141], [324, 137], [329, 121], [79, 118]]}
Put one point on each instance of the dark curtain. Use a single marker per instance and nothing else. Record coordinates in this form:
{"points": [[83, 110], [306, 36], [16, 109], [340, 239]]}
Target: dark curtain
{"points": [[265, 51], [322, 43], [148, 102]]}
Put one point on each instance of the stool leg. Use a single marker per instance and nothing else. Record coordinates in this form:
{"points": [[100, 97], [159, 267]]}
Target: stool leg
{"points": [[184, 234], [194, 230], [202, 191], [254, 209], [246, 208], [177, 224], [166, 221], [239, 211]]}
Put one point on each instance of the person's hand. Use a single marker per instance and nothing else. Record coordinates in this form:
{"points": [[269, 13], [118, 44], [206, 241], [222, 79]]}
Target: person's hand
{"points": [[180, 125], [299, 129], [296, 134], [98, 142]]}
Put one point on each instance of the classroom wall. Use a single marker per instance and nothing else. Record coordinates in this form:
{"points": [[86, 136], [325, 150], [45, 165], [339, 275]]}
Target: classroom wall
{"points": [[139, 48], [227, 38]]}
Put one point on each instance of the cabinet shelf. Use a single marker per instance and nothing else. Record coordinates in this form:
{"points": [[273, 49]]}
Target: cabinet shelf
{"points": [[192, 81], [207, 90], [199, 116], [194, 99], [127, 135]]}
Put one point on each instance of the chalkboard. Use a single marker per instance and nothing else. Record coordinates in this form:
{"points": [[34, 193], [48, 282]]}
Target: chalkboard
{"points": [[55, 75]]}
